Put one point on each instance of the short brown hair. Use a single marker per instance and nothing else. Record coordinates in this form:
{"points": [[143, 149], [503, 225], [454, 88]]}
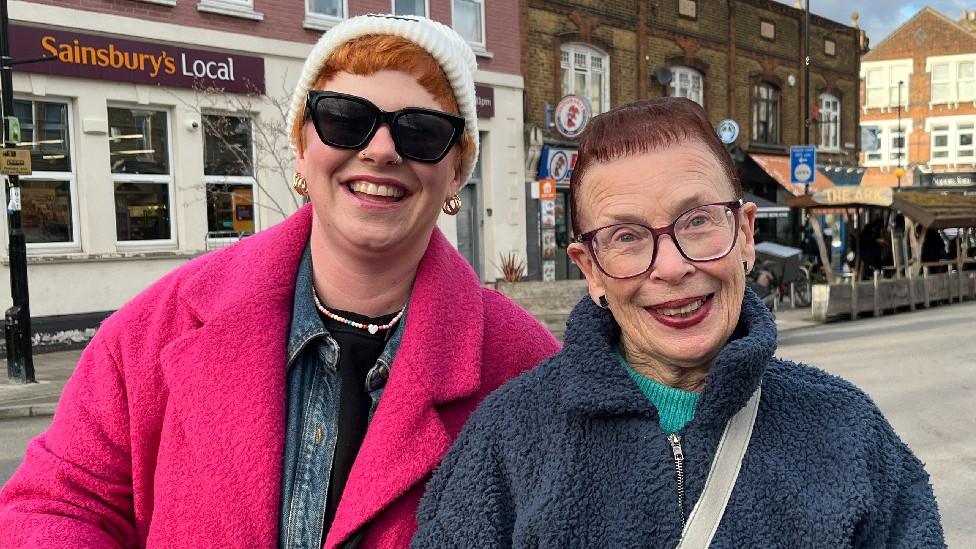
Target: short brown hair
{"points": [[373, 53], [641, 127]]}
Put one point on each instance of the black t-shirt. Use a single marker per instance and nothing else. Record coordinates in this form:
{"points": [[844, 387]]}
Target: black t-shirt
{"points": [[358, 351]]}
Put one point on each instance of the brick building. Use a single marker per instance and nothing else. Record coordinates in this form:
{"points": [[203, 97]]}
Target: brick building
{"points": [[929, 62], [138, 167], [740, 59]]}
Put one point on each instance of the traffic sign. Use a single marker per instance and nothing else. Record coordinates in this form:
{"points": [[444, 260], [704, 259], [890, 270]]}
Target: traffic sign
{"points": [[803, 163]]}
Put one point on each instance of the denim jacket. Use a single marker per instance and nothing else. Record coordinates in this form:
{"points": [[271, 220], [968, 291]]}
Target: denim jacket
{"points": [[312, 415]]}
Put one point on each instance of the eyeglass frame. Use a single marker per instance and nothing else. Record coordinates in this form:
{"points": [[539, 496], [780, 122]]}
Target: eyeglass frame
{"points": [[383, 117], [734, 205]]}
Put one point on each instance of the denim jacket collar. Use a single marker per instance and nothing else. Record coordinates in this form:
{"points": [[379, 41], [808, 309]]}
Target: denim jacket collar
{"points": [[306, 325]]}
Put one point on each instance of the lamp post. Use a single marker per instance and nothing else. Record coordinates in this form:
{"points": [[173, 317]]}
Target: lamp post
{"points": [[899, 171]]}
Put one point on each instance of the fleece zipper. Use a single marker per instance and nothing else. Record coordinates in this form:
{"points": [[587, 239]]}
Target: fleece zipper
{"points": [[679, 471]]}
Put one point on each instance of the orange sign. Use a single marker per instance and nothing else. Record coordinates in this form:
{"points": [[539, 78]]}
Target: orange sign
{"points": [[547, 189]]}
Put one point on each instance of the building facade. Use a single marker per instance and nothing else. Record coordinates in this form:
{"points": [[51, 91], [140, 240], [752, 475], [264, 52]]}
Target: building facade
{"points": [[740, 59], [918, 97], [159, 133]]}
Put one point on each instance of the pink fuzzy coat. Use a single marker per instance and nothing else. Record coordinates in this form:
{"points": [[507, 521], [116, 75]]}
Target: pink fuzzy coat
{"points": [[170, 433]]}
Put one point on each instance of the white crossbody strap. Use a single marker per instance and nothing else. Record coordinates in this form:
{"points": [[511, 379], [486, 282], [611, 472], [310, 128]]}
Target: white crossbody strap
{"points": [[707, 513]]}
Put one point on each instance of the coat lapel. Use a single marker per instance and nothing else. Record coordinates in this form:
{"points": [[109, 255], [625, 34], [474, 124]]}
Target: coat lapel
{"points": [[225, 418], [439, 361]]}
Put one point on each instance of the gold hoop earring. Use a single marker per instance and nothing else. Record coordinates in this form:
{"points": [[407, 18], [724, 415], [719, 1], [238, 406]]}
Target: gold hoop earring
{"points": [[452, 206], [299, 184]]}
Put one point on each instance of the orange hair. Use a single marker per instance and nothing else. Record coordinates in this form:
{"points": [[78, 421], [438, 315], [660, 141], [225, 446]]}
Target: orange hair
{"points": [[373, 53]]}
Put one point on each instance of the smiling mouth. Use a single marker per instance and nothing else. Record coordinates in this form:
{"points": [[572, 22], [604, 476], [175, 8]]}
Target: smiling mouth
{"points": [[683, 311], [376, 191]]}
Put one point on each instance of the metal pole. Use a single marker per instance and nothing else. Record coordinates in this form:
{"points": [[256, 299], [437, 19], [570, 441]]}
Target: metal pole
{"points": [[901, 136], [17, 327], [806, 76]]}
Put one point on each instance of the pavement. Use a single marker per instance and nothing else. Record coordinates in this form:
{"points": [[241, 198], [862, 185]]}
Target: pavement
{"points": [[52, 371]]}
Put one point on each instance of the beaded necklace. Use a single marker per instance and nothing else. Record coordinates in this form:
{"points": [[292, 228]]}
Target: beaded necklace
{"points": [[371, 328]]}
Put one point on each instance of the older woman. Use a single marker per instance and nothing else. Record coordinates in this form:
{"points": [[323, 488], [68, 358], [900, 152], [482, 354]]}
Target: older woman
{"points": [[637, 434], [296, 389]]}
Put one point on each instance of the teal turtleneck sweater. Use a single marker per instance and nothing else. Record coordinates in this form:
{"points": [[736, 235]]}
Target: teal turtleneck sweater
{"points": [[675, 407]]}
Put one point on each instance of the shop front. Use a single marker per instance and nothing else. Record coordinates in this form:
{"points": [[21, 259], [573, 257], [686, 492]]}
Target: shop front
{"points": [[145, 153], [553, 231]]}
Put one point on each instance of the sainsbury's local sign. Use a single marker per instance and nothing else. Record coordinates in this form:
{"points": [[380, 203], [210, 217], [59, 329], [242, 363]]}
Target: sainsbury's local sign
{"points": [[110, 58]]}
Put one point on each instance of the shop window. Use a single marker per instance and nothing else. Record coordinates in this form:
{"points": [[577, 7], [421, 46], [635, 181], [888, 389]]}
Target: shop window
{"points": [[139, 156], [48, 195], [687, 82], [688, 8], [583, 72], [767, 30], [228, 152], [765, 113], [469, 20], [829, 122], [410, 7]]}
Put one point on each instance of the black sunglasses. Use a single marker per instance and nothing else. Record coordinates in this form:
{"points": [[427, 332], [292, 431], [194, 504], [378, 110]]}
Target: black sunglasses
{"points": [[349, 122]]}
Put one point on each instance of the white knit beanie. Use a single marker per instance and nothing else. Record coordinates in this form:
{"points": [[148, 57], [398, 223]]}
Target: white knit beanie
{"points": [[444, 44]]}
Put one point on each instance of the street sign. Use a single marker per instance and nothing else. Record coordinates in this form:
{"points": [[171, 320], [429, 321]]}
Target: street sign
{"points": [[15, 162], [803, 162], [728, 131]]}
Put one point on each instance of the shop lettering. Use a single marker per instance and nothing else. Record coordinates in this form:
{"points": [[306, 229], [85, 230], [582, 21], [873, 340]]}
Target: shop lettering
{"points": [[78, 54], [878, 196], [214, 70]]}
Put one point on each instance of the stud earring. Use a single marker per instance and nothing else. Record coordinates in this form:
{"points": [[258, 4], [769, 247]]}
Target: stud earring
{"points": [[604, 304], [299, 184], [452, 206]]}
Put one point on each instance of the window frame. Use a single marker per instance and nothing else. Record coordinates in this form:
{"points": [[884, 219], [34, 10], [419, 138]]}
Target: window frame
{"points": [[74, 245], [692, 73], [426, 8], [694, 9], [835, 123], [830, 47], [953, 82], [754, 101], [240, 180], [234, 8], [762, 25], [477, 46], [572, 48], [886, 131], [886, 71], [320, 21], [953, 128], [167, 179]]}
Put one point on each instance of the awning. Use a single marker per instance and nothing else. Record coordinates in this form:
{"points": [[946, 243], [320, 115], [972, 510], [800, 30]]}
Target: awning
{"points": [[936, 210], [767, 208], [778, 167]]}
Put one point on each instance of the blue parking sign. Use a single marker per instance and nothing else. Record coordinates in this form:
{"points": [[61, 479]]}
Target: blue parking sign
{"points": [[803, 162]]}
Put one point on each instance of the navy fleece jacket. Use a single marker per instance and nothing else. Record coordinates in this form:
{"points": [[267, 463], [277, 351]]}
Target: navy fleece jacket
{"points": [[571, 455]]}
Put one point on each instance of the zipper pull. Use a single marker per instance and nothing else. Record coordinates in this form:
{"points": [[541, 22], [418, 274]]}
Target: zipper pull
{"points": [[675, 440]]}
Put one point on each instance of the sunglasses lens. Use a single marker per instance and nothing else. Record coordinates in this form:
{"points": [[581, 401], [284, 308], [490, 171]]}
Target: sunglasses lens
{"points": [[341, 122], [424, 137]]}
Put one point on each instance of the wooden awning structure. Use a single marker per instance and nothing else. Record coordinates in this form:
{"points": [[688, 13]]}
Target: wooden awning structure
{"points": [[936, 210], [932, 210]]}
